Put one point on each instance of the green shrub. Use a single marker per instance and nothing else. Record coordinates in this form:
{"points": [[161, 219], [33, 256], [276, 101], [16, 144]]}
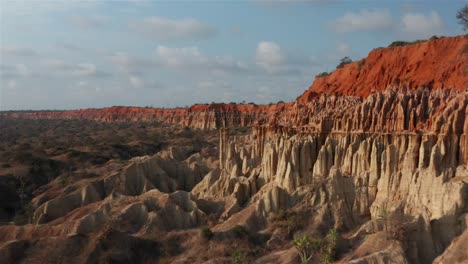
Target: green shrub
{"points": [[331, 244], [322, 74], [206, 233], [307, 247], [344, 61], [400, 43], [242, 129], [239, 231], [287, 222], [63, 181], [237, 256]]}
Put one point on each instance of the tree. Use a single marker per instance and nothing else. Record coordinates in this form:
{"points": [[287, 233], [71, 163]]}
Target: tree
{"points": [[462, 16], [344, 61], [306, 247]]}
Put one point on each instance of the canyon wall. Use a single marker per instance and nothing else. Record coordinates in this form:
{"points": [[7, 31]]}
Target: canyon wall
{"points": [[386, 135], [399, 152]]}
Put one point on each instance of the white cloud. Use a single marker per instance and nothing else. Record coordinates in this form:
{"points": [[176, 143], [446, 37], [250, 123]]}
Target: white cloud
{"points": [[193, 59], [269, 56], [423, 25], [80, 69], [89, 22], [181, 57], [84, 69], [365, 20], [130, 64], [343, 48], [136, 82], [172, 29], [22, 69], [15, 51], [12, 84]]}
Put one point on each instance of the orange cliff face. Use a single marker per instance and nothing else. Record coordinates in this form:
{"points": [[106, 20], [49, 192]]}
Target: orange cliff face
{"points": [[434, 64], [353, 98]]}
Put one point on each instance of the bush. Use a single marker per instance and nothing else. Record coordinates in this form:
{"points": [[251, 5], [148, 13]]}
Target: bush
{"points": [[344, 61], [242, 129], [307, 247], [206, 233], [63, 181], [400, 43], [462, 17], [330, 248], [237, 256], [239, 231], [322, 74], [287, 222]]}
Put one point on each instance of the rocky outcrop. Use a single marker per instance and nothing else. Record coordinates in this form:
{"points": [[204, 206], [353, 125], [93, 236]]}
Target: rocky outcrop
{"points": [[150, 213], [163, 171], [438, 64], [457, 252], [353, 169]]}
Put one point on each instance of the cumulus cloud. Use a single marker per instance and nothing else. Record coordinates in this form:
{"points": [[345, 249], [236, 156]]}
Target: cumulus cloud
{"points": [[88, 22], [343, 48], [181, 57], [130, 64], [269, 56], [80, 69], [19, 52], [22, 69], [422, 25], [365, 20], [136, 82], [11, 84], [192, 58], [172, 29], [12, 71]]}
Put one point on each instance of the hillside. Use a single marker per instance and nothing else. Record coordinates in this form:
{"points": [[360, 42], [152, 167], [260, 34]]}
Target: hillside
{"points": [[434, 64]]}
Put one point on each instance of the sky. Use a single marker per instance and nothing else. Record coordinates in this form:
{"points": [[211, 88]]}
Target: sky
{"points": [[90, 54]]}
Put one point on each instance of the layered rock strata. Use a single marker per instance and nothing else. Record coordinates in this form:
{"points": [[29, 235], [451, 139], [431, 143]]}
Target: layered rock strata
{"points": [[358, 145]]}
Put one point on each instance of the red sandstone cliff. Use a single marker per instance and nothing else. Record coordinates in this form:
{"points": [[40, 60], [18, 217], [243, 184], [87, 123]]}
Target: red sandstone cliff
{"points": [[433, 65]]}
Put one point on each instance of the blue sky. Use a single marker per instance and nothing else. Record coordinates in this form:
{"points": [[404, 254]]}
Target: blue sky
{"points": [[81, 54]]}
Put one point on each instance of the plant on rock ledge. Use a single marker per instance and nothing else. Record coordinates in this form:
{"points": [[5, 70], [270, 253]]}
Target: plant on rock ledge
{"points": [[307, 247]]}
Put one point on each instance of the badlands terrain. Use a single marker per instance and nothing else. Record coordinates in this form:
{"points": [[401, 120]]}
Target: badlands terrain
{"points": [[368, 165]]}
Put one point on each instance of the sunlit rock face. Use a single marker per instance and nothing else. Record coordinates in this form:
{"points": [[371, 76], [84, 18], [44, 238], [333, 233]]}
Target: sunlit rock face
{"points": [[388, 135], [400, 150]]}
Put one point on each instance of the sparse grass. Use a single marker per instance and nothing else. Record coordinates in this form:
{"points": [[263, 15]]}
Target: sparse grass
{"points": [[237, 256], [288, 222]]}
